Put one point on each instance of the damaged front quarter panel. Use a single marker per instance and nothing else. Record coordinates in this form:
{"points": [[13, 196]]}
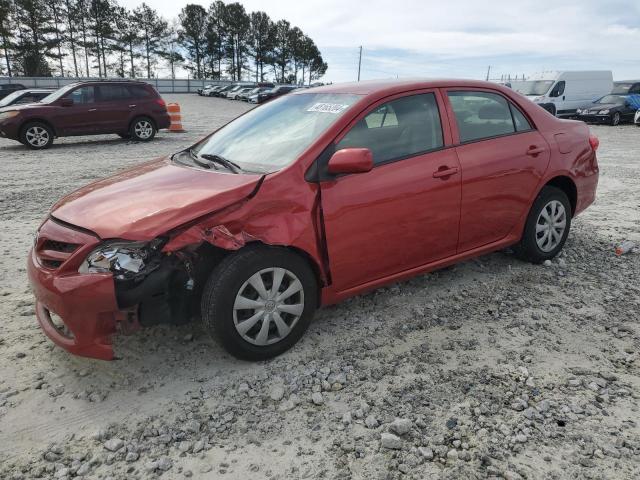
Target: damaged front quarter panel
{"points": [[270, 215]]}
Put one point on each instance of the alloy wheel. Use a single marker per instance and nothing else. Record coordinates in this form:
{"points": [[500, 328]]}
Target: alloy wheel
{"points": [[551, 225], [616, 118], [143, 129], [37, 136], [268, 306]]}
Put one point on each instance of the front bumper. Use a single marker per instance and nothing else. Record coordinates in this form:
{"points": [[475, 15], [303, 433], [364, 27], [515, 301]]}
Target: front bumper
{"points": [[10, 128], [591, 118], [85, 303]]}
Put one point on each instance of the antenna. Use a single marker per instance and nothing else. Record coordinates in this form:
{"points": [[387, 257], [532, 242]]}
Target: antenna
{"points": [[359, 62]]}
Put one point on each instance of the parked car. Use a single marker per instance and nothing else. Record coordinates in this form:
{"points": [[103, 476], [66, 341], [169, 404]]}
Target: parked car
{"points": [[233, 95], [128, 108], [272, 93], [626, 87], [233, 91], [297, 203], [244, 96], [211, 92], [7, 88], [20, 97], [610, 109], [203, 91], [561, 93]]}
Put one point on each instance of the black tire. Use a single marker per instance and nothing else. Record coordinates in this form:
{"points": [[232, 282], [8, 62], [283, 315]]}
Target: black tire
{"points": [[225, 283], [36, 135], [615, 119], [528, 249], [142, 129]]}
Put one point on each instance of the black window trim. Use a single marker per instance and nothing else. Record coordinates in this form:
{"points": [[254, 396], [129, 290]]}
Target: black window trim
{"points": [[509, 102]]}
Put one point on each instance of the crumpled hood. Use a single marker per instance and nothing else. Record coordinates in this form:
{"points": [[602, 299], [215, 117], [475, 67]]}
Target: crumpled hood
{"points": [[151, 199]]}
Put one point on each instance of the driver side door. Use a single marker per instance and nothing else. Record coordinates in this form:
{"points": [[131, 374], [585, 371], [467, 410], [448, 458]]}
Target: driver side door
{"points": [[79, 118], [405, 212]]}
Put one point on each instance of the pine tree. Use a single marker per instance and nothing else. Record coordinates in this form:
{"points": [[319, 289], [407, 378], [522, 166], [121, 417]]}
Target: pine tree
{"points": [[153, 29]]}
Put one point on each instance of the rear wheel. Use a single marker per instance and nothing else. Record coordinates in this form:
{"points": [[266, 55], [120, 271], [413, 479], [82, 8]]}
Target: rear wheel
{"points": [[37, 136], [259, 301], [547, 226], [142, 129]]}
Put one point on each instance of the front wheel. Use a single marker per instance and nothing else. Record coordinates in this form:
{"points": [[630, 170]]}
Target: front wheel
{"points": [[547, 226], [142, 129], [615, 119], [259, 301], [36, 136]]}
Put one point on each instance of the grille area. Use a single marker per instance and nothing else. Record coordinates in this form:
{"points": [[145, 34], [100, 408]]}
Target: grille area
{"points": [[57, 243]]}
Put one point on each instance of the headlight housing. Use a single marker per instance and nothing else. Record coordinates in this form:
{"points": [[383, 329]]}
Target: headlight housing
{"points": [[124, 259], [603, 112], [9, 114]]}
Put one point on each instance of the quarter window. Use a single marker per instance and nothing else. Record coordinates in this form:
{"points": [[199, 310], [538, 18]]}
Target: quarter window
{"points": [[398, 129], [485, 115]]}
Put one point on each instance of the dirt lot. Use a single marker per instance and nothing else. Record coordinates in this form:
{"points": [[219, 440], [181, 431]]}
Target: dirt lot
{"points": [[492, 368]]}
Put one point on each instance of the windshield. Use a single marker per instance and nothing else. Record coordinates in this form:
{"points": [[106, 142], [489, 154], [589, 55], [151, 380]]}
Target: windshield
{"points": [[10, 98], [272, 136], [533, 87], [58, 93], [617, 99]]}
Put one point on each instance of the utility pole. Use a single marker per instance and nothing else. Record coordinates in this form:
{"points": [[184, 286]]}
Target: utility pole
{"points": [[488, 72], [359, 62]]}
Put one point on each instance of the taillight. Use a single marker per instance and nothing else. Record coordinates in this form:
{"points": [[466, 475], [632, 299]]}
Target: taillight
{"points": [[594, 142], [161, 102]]}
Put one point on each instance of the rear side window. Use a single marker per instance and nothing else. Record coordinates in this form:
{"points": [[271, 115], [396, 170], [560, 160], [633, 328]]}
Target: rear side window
{"points": [[398, 129], [112, 93], [485, 115], [138, 91]]}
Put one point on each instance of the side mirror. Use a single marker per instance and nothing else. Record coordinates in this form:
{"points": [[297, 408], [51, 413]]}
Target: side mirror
{"points": [[351, 160], [66, 102]]}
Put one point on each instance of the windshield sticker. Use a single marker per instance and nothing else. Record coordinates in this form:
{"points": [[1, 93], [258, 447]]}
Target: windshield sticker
{"points": [[327, 107]]}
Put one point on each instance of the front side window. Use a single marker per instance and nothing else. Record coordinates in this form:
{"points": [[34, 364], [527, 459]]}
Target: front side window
{"points": [[272, 136], [558, 89], [484, 115], [82, 95], [398, 129]]}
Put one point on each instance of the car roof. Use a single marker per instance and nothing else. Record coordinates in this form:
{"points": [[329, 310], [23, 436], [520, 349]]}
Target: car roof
{"points": [[390, 87]]}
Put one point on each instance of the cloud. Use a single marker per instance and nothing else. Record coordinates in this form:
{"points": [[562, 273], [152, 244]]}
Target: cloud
{"points": [[418, 37]]}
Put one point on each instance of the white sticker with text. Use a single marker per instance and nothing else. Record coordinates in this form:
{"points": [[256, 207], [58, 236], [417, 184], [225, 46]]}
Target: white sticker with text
{"points": [[327, 107]]}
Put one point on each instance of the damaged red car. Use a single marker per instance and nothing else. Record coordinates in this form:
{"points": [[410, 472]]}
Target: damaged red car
{"points": [[307, 200]]}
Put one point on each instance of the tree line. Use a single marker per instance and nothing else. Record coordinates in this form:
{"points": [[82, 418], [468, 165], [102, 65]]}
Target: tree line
{"points": [[88, 38]]}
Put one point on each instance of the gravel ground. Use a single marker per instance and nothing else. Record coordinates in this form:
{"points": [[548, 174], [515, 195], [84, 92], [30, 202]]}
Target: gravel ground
{"points": [[493, 368]]}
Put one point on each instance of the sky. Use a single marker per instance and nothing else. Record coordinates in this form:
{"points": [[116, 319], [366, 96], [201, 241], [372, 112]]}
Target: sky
{"points": [[459, 38]]}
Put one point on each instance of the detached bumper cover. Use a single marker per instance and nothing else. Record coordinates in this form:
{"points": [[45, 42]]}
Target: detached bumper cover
{"points": [[84, 303]]}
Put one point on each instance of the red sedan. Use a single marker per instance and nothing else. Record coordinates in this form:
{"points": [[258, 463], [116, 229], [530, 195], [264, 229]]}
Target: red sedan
{"points": [[309, 199]]}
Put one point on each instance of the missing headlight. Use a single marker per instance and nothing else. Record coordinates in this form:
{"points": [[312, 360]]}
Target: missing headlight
{"points": [[125, 260]]}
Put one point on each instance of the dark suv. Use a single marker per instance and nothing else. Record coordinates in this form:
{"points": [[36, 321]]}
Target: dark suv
{"points": [[7, 88], [128, 108]]}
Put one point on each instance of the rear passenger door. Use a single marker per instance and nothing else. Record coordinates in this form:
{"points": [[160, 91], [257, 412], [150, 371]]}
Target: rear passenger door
{"points": [[114, 108], [405, 212], [502, 159]]}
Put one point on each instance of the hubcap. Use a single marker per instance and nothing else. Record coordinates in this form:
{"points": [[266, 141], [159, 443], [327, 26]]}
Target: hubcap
{"points": [[268, 306], [551, 225], [37, 136], [143, 129]]}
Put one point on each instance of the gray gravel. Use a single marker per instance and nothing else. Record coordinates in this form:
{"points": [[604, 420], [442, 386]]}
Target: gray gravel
{"points": [[493, 368]]}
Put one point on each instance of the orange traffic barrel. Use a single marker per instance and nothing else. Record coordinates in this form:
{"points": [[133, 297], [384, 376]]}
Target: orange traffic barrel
{"points": [[176, 118]]}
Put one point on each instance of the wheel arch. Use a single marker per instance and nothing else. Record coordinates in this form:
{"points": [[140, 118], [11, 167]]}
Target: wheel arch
{"points": [[568, 186], [37, 120], [137, 117]]}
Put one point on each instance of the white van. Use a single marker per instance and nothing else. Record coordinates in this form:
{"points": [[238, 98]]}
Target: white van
{"points": [[561, 93]]}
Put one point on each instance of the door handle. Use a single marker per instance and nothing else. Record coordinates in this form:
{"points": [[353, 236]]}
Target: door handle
{"points": [[92, 109], [444, 172], [132, 106], [534, 151]]}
